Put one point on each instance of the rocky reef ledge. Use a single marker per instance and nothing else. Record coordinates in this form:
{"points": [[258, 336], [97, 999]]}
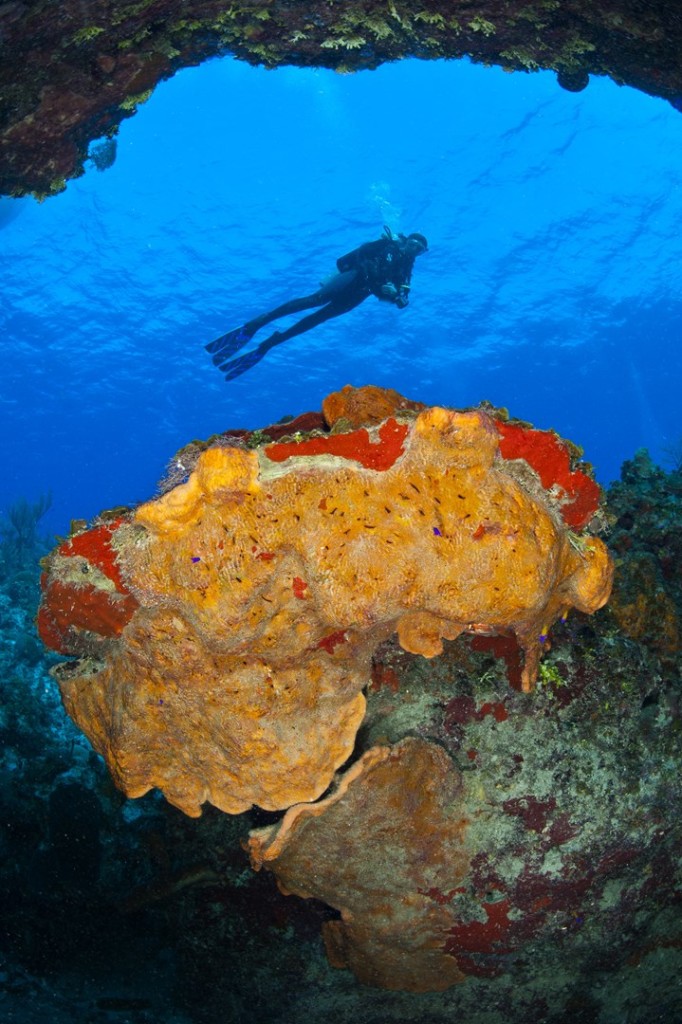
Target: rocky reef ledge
{"points": [[71, 72]]}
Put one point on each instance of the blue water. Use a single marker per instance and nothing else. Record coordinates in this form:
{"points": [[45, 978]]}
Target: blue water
{"points": [[552, 285]]}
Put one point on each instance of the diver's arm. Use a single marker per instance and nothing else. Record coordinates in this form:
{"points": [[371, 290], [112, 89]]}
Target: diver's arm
{"points": [[397, 288], [397, 295], [402, 299], [402, 283], [387, 292]]}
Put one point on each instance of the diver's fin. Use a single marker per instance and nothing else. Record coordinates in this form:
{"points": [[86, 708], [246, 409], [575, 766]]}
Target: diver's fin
{"points": [[227, 344], [236, 367]]}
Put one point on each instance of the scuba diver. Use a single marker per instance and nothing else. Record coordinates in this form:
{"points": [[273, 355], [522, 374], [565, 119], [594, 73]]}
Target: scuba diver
{"points": [[382, 268]]}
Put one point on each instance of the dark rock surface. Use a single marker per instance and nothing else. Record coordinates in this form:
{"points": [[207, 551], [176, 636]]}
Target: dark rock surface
{"points": [[71, 72]]}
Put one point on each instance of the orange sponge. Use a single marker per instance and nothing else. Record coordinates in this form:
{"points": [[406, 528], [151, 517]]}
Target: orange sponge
{"points": [[388, 842], [248, 600]]}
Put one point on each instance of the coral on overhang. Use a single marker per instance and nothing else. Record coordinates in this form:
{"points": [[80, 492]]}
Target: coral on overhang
{"points": [[226, 628], [70, 72]]}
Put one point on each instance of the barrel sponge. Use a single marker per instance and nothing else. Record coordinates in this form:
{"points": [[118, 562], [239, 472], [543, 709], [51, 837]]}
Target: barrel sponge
{"points": [[237, 613]]}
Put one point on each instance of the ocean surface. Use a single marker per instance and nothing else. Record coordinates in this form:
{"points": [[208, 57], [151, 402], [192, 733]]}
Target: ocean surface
{"points": [[552, 285]]}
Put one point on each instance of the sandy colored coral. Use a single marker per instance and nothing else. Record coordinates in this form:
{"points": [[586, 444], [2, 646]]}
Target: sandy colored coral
{"points": [[379, 849], [262, 585]]}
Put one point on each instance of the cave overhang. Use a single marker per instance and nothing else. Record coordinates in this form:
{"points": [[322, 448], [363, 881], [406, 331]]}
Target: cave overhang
{"points": [[70, 72]]}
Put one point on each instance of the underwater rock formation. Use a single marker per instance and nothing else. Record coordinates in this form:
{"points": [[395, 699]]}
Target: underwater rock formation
{"points": [[226, 634], [226, 629], [71, 72]]}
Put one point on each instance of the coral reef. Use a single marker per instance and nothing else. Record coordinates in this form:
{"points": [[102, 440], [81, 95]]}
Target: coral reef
{"points": [[647, 541], [567, 805], [563, 902], [71, 72], [226, 628]]}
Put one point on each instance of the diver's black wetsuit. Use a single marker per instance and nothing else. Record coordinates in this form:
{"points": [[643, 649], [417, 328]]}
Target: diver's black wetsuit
{"points": [[382, 268]]}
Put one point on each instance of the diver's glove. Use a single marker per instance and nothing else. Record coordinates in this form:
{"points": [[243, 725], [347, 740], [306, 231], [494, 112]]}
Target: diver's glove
{"points": [[398, 296], [388, 292]]}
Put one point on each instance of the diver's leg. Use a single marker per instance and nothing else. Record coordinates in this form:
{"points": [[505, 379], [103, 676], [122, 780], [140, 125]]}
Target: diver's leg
{"points": [[332, 309], [335, 289], [292, 306], [332, 290], [235, 367]]}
